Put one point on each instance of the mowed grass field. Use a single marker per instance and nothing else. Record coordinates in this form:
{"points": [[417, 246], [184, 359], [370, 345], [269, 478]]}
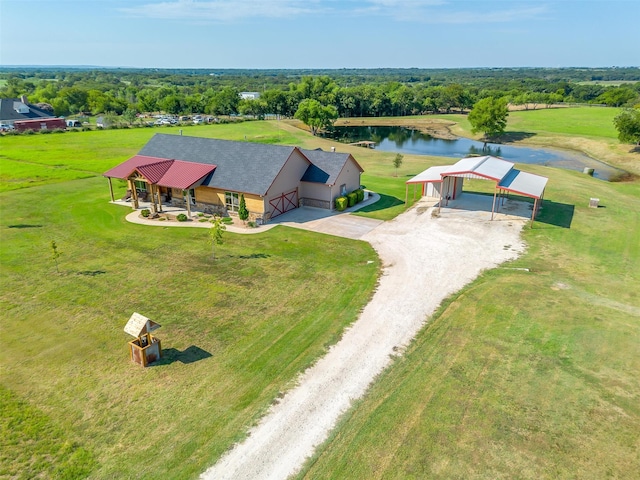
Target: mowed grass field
{"points": [[236, 331], [523, 374], [588, 130]]}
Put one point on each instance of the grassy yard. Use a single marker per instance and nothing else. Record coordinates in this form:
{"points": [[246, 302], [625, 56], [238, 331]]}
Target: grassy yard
{"points": [[524, 374], [585, 129], [236, 331], [33, 160], [584, 121]]}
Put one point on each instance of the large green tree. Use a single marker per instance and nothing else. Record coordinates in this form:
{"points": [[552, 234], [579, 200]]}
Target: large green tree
{"points": [[489, 116], [225, 102], [315, 115], [627, 123]]}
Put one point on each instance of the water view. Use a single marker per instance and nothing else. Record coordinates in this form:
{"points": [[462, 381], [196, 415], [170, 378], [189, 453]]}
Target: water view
{"points": [[405, 140]]}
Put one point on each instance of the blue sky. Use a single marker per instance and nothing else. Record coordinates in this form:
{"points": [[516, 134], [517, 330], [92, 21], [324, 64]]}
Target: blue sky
{"points": [[320, 33]]}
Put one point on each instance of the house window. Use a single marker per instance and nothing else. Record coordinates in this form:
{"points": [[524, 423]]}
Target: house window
{"points": [[140, 185], [343, 189], [232, 201]]}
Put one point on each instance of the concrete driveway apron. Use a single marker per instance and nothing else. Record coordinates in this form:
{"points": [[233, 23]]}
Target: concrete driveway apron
{"points": [[332, 223]]}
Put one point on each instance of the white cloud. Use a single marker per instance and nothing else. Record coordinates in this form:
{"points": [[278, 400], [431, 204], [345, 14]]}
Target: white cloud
{"points": [[424, 11], [223, 10]]}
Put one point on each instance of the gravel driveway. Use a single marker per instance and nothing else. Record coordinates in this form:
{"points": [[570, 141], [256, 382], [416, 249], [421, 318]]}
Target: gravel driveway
{"points": [[425, 259]]}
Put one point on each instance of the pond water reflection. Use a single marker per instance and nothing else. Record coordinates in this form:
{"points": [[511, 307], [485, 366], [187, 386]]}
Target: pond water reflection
{"points": [[405, 140]]}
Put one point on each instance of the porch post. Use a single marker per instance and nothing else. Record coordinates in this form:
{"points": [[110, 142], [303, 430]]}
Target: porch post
{"points": [[134, 195], [159, 199], [111, 189], [154, 206], [189, 204]]}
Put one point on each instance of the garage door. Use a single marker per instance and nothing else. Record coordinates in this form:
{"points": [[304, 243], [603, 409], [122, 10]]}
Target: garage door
{"points": [[284, 203]]}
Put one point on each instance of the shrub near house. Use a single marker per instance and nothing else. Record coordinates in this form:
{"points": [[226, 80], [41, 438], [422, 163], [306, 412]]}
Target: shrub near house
{"points": [[351, 199]]}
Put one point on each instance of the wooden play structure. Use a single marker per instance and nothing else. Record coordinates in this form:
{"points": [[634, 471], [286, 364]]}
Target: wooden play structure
{"points": [[146, 348]]}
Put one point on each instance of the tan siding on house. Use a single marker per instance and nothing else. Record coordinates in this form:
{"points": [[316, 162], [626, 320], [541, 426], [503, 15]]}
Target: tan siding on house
{"points": [[315, 191], [349, 176], [255, 204], [213, 196], [210, 196]]}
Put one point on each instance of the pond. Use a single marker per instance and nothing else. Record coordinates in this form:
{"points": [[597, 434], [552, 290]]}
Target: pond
{"points": [[405, 140]]}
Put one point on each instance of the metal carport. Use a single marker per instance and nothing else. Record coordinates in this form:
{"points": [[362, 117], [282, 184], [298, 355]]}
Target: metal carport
{"points": [[507, 178]]}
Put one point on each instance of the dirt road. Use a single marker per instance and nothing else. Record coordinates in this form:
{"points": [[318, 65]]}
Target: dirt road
{"points": [[425, 259]]}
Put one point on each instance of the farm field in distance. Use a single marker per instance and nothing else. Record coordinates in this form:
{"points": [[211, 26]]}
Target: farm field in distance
{"points": [[528, 374]]}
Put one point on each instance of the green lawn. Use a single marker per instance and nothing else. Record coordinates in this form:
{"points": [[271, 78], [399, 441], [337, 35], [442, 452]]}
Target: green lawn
{"points": [[54, 157], [576, 121], [523, 374], [583, 121], [236, 331], [588, 130]]}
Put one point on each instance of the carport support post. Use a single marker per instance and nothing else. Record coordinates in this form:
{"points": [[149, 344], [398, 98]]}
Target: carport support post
{"points": [[533, 214], [493, 207], [406, 194], [111, 189]]}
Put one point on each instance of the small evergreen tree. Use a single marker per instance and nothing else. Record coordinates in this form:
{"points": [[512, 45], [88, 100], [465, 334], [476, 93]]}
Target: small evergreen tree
{"points": [[215, 234], [397, 162], [243, 213]]}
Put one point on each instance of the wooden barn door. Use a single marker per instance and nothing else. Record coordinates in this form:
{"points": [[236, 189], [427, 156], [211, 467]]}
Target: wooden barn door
{"points": [[284, 203]]}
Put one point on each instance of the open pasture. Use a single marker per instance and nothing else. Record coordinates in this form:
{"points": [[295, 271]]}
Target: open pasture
{"points": [[236, 331], [528, 374]]}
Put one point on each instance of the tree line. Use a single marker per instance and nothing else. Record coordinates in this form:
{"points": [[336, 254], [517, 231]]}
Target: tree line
{"points": [[353, 93]]}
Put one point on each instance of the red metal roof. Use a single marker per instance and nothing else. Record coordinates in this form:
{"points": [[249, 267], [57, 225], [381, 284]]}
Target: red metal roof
{"points": [[126, 168], [163, 172], [154, 171], [184, 174]]}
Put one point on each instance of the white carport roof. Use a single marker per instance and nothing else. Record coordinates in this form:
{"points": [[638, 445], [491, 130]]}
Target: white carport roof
{"points": [[490, 168], [485, 167], [524, 183], [431, 174]]}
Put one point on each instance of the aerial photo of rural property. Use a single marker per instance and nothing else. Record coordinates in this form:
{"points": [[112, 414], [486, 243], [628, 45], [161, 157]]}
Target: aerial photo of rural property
{"points": [[370, 239]]}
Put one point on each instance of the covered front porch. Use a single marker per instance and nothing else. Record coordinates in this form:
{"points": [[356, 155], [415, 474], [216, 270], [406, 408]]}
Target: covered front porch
{"points": [[159, 183]]}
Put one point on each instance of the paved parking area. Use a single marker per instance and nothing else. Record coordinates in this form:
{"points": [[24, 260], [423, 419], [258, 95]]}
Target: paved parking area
{"points": [[341, 224]]}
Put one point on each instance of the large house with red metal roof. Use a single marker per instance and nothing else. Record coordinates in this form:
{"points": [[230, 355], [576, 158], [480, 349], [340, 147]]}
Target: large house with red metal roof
{"points": [[210, 175]]}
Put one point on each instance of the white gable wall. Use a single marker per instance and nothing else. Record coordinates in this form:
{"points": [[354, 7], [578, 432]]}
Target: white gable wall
{"points": [[288, 178], [349, 176]]}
